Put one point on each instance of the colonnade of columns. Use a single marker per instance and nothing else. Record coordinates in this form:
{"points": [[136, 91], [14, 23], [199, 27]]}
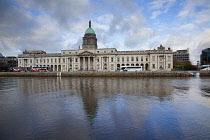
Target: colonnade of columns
{"points": [[87, 63]]}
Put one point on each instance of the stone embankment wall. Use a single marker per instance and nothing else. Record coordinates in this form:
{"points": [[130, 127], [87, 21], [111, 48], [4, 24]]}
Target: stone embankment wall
{"points": [[98, 74], [205, 73]]}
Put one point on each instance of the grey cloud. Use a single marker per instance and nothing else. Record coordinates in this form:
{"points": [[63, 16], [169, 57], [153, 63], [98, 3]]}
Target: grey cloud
{"points": [[21, 30], [18, 31], [65, 11]]}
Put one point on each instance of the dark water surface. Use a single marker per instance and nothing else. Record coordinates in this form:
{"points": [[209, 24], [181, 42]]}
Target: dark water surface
{"points": [[104, 108]]}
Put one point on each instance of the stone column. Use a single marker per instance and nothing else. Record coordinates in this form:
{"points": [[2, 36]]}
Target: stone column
{"points": [[94, 67], [88, 63], [84, 63], [107, 63], [72, 63], [78, 62], [67, 64], [102, 64]]}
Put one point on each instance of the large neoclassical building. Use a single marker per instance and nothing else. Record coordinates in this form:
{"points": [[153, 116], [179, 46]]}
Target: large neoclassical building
{"points": [[92, 58]]}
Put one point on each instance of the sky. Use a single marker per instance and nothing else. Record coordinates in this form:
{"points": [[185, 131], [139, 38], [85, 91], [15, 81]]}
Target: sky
{"points": [[55, 25]]}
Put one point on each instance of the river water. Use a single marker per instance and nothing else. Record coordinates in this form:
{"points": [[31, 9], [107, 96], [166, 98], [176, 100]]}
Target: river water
{"points": [[104, 108]]}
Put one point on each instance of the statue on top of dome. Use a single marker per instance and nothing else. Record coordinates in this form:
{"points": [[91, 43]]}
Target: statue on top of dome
{"points": [[90, 24]]}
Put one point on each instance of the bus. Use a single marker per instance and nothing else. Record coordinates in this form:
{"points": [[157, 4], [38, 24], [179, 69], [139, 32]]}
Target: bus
{"points": [[205, 67], [131, 68], [21, 69], [40, 69]]}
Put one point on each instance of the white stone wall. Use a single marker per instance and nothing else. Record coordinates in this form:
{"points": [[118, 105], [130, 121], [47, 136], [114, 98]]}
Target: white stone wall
{"points": [[99, 59]]}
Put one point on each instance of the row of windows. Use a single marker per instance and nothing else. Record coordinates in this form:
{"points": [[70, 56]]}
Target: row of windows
{"points": [[44, 60], [97, 52], [122, 59]]}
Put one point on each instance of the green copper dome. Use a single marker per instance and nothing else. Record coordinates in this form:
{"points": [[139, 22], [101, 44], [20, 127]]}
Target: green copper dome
{"points": [[90, 30]]}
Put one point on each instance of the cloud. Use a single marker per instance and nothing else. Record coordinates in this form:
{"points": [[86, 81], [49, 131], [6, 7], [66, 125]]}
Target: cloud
{"points": [[196, 12], [40, 24], [187, 27], [59, 10], [160, 7], [155, 14], [196, 42]]}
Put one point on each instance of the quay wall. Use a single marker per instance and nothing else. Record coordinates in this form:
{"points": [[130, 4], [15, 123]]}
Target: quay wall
{"points": [[205, 73], [101, 74]]}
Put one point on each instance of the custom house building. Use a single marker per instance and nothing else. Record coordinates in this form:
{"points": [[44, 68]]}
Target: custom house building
{"points": [[92, 58]]}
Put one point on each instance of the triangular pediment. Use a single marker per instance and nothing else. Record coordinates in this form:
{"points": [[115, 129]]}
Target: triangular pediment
{"points": [[86, 53]]}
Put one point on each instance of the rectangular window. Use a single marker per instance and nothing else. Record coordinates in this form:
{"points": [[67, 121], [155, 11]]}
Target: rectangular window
{"points": [[112, 66], [153, 58], [153, 66], [44, 60], [132, 59], [161, 58], [51, 60], [59, 60], [146, 58], [37, 61], [112, 59], [75, 59], [137, 59], [30, 61], [55, 60], [122, 59], [142, 58], [127, 59], [169, 66], [169, 58], [64, 60], [47, 60], [118, 59]]}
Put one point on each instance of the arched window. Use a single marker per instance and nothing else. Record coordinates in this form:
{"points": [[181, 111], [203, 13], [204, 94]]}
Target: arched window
{"points": [[118, 65]]}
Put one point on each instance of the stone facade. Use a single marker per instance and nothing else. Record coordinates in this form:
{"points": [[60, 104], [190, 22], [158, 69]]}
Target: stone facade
{"points": [[92, 58]]}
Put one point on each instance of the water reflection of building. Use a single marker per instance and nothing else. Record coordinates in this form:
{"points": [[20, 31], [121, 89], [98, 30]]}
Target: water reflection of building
{"points": [[89, 87], [110, 98], [93, 89]]}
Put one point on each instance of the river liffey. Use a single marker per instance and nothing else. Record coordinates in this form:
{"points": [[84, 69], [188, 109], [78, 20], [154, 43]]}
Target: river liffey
{"points": [[104, 108]]}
